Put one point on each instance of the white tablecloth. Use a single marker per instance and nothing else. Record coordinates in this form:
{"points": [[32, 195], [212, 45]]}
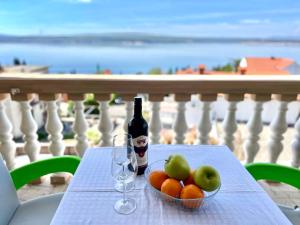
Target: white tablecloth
{"points": [[90, 196]]}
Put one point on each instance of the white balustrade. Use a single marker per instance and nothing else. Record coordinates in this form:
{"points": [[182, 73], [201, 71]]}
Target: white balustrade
{"points": [[255, 126], [54, 128], [105, 124], [155, 123], [129, 114], [296, 146], [278, 126], [7, 145], [29, 129], [80, 126], [229, 125], [205, 124], [182, 88]]}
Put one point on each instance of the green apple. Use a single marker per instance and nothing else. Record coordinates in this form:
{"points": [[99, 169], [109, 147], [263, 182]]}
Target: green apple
{"points": [[207, 178], [177, 167]]}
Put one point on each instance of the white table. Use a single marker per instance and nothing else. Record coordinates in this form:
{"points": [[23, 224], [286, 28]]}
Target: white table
{"points": [[90, 197]]}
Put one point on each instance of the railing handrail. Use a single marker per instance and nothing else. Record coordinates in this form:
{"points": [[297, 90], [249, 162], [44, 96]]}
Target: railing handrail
{"points": [[152, 84]]}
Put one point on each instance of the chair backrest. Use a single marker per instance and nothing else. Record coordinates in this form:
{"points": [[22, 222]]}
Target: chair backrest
{"points": [[8, 196], [275, 172]]}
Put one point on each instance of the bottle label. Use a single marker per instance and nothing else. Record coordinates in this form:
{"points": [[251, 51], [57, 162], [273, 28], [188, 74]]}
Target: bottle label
{"points": [[140, 147]]}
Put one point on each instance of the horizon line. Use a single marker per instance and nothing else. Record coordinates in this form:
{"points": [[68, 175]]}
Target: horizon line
{"points": [[150, 34]]}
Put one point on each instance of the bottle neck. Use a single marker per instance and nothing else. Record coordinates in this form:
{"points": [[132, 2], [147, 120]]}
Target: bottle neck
{"points": [[137, 110]]}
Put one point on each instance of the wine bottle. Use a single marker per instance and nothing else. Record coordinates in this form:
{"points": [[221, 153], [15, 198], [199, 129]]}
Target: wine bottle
{"points": [[138, 129]]}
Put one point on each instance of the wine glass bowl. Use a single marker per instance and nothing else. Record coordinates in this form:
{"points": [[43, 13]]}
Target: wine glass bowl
{"points": [[185, 203], [123, 140]]}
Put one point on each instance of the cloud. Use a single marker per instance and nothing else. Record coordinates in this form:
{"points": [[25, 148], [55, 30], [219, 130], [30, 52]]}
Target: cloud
{"points": [[84, 1], [255, 21], [75, 1], [249, 17]]}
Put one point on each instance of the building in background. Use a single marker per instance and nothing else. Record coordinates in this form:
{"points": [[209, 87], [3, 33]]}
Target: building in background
{"points": [[25, 69], [268, 66], [251, 66]]}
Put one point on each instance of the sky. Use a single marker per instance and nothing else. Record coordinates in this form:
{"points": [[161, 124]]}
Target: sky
{"points": [[201, 18]]}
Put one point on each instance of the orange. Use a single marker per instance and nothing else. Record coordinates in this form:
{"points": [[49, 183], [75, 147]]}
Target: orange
{"points": [[190, 179], [191, 196], [171, 187], [156, 178]]}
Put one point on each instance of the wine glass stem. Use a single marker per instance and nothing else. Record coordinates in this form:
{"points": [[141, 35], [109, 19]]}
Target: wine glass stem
{"points": [[124, 186]]}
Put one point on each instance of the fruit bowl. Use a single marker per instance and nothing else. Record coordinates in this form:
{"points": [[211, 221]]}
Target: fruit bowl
{"points": [[186, 203]]}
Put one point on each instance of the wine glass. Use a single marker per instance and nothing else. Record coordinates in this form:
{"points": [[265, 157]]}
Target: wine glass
{"points": [[119, 141], [124, 169]]}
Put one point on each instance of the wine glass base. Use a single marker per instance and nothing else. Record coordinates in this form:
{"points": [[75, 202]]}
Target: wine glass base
{"points": [[128, 187], [125, 207]]}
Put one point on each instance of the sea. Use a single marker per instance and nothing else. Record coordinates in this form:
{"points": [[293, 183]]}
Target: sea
{"points": [[140, 58]]}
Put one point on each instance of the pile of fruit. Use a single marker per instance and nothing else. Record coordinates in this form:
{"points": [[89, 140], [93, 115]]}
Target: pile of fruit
{"points": [[179, 181]]}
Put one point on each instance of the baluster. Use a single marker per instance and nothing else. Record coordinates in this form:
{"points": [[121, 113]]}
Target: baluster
{"points": [[180, 125], [255, 126], [54, 128], [105, 124], [205, 124], [155, 123], [229, 124], [28, 127], [80, 125], [278, 127], [129, 110], [7, 145], [296, 146]]}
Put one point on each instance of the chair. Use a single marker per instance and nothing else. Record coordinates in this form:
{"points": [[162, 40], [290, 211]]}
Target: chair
{"points": [[278, 173], [38, 211]]}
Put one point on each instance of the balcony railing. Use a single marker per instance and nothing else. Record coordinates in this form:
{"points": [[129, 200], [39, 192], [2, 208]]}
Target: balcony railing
{"points": [[48, 87]]}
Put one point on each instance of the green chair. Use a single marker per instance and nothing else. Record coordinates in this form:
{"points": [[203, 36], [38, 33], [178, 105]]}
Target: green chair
{"points": [[38, 211], [278, 173]]}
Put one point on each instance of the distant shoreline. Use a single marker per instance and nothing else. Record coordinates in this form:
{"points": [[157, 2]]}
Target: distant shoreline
{"points": [[135, 39]]}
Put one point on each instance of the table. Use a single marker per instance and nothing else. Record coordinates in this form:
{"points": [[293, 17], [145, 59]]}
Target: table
{"points": [[90, 196]]}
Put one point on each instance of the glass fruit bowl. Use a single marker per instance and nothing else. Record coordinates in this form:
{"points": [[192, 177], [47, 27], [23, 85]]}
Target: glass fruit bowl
{"points": [[186, 203]]}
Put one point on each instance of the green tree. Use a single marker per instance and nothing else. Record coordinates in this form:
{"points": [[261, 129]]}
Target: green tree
{"points": [[170, 71], [17, 62], [236, 63], [155, 71], [98, 69], [228, 67]]}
